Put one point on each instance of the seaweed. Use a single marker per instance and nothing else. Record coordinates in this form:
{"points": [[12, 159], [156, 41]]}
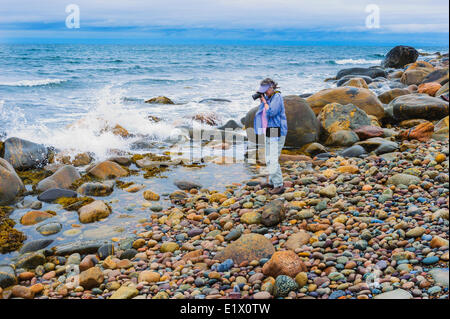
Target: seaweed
{"points": [[33, 176], [10, 239], [74, 203]]}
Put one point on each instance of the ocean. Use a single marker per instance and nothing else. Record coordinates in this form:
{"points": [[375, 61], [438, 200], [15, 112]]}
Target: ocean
{"points": [[62, 95]]}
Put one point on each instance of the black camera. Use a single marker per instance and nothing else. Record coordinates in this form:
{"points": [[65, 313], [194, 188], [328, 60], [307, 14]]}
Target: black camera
{"points": [[257, 95]]}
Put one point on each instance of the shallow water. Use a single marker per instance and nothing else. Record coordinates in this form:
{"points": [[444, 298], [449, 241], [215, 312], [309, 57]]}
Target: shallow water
{"points": [[127, 208]]}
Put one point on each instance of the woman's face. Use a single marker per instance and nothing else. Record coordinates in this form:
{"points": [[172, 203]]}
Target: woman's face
{"points": [[270, 91]]}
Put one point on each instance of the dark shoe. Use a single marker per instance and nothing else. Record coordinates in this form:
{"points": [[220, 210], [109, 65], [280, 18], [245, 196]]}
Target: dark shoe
{"points": [[277, 190], [266, 185]]}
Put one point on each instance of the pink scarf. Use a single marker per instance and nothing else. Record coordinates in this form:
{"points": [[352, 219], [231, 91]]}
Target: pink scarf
{"points": [[264, 120]]}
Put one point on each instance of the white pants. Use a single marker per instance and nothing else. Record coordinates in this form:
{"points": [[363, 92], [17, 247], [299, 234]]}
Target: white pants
{"points": [[274, 145]]}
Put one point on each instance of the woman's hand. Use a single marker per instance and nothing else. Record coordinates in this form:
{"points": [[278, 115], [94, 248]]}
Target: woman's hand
{"points": [[263, 100]]}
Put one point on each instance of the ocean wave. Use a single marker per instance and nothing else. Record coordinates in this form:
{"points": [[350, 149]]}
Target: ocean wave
{"points": [[31, 83], [357, 61]]}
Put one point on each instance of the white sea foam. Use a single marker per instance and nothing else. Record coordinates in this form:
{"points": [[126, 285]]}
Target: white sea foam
{"points": [[88, 133], [30, 83], [357, 61]]}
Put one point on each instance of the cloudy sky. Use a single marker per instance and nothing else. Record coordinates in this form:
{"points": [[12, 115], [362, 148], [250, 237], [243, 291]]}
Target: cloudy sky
{"points": [[228, 21]]}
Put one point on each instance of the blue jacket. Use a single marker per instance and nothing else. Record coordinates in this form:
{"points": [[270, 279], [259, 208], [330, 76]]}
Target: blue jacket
{"points": [[276, 116]]}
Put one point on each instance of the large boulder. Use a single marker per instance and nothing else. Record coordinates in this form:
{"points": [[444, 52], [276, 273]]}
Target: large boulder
{"points": [[248, 247], [372, 72], [62, 178], [336, 117], [356, 82], [342, 81], [303, 127], [418, 106], [11, 185], [365, 99], [439, 76], [23, 155], [415, 76], [399, 56], [388, 96], [430, 88]]}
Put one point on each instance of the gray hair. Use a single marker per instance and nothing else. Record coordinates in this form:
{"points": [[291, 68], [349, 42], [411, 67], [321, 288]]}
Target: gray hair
{"points": [[272, 83]]}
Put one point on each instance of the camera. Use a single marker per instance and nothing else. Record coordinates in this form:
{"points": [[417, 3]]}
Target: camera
{"points": [[257, 95]]}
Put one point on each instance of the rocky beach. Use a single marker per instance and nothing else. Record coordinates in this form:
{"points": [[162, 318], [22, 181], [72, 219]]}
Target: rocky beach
{"points": [[364, 214]]}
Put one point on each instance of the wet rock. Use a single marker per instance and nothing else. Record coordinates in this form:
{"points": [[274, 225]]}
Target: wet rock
{"points": [[342, 138], [297, 240], [35, 245], [22, 292], [105, 251], [96, 189], [62, 178], [160, 100], [247, 248], [395, 294], [93, 212], [81, 247], [429, 88], [35, 216], [7, 276], [399, 56], [336, 117], [283, 285], [23, 155], [49, 229], [124, 293], [440, 276], [364, 99], [438, 76], [404, 179], [91, 278], [369, 72], [251, 218], [328, 191], [53, 194], [284, 263], [231, 124], [211, 119], [378, 145], [187, 185], [30, 260], [11, 185], [356, 82], [418, 106], [107, 170], [422, 132], [354, 151], [388, 96], [169, 246], [368, 131], [273, 213], [149, 195]]}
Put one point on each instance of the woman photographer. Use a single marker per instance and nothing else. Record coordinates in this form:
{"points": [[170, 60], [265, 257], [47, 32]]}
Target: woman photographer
{"points": [[270, 120]]}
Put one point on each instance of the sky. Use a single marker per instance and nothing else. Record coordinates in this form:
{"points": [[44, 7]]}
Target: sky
{"points": [[335, 22]]}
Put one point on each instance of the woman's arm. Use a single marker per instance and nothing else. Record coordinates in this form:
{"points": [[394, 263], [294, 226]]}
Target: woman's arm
{"points": [[275, 105]]}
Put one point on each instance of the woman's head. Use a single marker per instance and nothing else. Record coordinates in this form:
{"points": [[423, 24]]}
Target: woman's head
{"points": [[268, 86]]}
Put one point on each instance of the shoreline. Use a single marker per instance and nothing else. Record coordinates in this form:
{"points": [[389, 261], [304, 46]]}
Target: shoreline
{"points": [[358, 222]]}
